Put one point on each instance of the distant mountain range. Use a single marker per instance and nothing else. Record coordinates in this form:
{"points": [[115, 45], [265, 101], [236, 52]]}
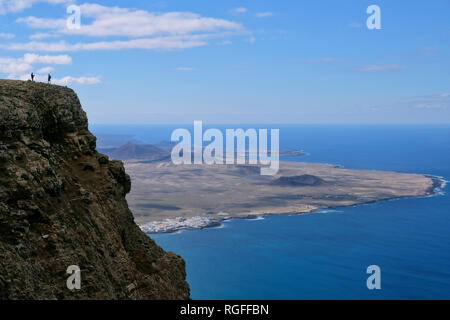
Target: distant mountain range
{"points": [[162, 151], [131, 150]]}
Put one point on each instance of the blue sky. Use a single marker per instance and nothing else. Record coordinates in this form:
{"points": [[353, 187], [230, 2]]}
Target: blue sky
{"points": [[247, 61]]}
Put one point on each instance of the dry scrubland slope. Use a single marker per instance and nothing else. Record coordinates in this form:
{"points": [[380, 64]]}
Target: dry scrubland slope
{"points": [[162, 190]]}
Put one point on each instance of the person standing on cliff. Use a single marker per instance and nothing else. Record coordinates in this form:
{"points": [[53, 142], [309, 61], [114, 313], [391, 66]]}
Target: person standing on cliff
{"points": [[49, 78], [32, 76]]}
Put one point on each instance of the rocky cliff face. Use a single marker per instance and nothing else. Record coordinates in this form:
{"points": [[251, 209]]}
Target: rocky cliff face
{"points": [[63, 204]]}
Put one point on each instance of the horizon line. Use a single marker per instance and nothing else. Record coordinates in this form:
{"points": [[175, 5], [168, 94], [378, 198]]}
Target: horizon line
{"points": [[274, 124]]}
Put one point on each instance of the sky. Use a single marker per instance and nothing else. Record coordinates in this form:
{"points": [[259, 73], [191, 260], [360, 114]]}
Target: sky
{"points": [[237, 61]]}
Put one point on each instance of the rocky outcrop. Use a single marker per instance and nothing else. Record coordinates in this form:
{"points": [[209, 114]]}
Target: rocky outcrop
{"points": [[63, 204], [305, 180]]}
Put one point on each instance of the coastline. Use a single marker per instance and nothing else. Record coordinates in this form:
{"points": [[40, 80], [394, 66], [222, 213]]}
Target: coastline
{"points": [[200, 222], [439, 183]]}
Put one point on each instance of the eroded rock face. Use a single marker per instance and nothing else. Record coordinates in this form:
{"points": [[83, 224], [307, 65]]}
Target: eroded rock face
{"points": [[63, 204]]}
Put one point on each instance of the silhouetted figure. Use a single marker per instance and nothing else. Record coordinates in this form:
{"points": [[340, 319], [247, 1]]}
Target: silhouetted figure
{"points": [[32, 76], [49, 78]]}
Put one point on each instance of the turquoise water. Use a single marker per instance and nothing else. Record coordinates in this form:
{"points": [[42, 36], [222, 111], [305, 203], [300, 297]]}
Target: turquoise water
{"points": [[324, 255]]}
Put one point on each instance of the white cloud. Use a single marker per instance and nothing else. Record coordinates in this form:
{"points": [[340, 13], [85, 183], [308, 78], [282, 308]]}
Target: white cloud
{"points": [[323, 60], [161, 43], [46, 70], [7, 6], [430, 102], [428, 51], [42, 35], [426, 104], [7, 35], [239, 10], [185, 69], [32, 58], [13, 66], [378, 68], [115, 21], [77, 80], [429, 106], [65, 81], [145, 30], [264, 14], [17, 66]]}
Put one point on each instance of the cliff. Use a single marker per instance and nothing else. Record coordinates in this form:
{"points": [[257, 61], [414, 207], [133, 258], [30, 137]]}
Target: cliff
{"points": [[300, 181], [63, 204]]}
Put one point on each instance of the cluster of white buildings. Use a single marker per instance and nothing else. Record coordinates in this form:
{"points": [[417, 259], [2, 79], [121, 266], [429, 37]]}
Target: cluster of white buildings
{"points": [[175, 224]]}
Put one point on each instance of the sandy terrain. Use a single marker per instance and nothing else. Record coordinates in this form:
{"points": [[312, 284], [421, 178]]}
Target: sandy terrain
{"points": [[162, 190]]}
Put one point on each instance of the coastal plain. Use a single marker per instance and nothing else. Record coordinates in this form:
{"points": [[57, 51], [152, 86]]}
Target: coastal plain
{"points": [[167, 197]]}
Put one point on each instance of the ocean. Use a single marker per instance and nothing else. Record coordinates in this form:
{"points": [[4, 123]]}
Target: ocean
{"points": [[325, 254]]}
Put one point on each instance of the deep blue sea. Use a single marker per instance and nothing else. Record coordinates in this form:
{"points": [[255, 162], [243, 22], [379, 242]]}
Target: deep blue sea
{"points": [[324, 255]]}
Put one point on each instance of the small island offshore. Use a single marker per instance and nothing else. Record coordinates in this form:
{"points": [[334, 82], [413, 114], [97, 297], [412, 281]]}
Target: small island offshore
{"points": [[167, 197]]}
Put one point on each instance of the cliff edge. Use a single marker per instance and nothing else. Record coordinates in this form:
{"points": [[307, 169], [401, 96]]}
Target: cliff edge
{"points": [[63, 204]]}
